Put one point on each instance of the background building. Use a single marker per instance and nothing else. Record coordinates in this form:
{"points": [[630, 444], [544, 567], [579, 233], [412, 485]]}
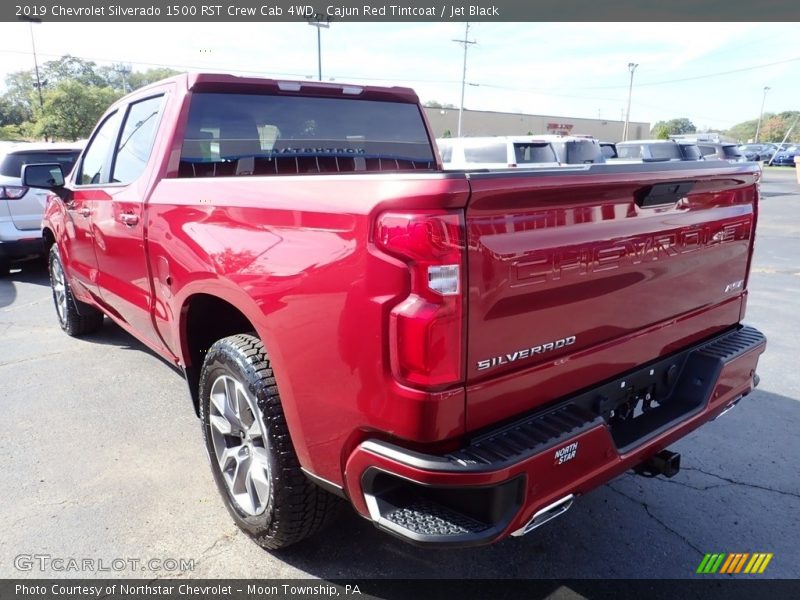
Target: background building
{"points": [[484, 122]]}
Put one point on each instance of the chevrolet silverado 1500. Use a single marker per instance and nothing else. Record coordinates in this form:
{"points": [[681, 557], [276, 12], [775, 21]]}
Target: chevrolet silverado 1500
{"points": [[457, 354]]}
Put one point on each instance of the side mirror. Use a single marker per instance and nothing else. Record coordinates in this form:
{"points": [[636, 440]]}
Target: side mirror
{"points": [[43, 175]]}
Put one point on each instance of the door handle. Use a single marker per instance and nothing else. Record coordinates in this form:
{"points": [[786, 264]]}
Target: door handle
{"points": [[129, 219], [85, 212]]}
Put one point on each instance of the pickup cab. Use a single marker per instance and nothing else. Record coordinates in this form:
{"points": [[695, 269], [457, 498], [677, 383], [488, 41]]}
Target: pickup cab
{"points": [[458, 355]]}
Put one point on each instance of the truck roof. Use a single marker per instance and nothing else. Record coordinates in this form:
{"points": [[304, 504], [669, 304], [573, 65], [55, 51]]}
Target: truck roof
{"points": [[226, 82]]}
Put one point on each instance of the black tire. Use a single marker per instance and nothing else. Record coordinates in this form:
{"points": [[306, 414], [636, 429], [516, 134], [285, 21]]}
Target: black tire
{"points": [[296, 508], [72, 321], [5, 268]]}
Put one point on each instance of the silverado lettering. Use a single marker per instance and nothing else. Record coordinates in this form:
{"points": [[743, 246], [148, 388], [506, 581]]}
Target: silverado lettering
{"points": [[525, 353], [333, 309]]}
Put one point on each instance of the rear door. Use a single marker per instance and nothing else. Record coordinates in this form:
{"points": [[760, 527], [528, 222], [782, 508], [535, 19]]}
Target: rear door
{"points": [[597, 263], [118, 218], [79, 241]]}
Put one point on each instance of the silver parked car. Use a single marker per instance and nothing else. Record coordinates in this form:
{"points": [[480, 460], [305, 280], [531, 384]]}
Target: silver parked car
{"points": [[21, 208]]}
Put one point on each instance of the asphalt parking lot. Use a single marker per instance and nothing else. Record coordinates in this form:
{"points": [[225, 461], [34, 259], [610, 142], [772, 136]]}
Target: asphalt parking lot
{"points": [[103, 459]]}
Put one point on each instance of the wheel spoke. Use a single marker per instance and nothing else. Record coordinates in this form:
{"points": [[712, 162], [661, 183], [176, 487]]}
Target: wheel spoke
{"points": [[226, 457], [240, 474], [234, 418], [258, 485], [221, 424], [224, 406]]}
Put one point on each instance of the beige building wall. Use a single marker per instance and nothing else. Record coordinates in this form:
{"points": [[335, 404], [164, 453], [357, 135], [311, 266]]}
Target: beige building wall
{"points": [[483, 122]]}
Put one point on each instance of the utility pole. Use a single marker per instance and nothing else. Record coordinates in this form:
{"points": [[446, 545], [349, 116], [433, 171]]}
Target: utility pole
{"points": [[31, 21], [631, 68], [319, 21], [761, 114], [466, 42], [124, 69]]}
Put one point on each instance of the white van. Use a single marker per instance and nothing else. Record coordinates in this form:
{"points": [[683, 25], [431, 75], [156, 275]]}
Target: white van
{"points": [[500, 152]]}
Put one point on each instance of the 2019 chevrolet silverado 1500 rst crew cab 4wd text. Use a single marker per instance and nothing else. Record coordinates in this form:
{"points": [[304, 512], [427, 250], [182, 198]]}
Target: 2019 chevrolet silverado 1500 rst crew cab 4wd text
{"points": [[458, 355]]}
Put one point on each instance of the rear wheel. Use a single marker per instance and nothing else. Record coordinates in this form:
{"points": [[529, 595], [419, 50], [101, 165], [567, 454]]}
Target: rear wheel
{"points": [[252, 457], [74, 323]]}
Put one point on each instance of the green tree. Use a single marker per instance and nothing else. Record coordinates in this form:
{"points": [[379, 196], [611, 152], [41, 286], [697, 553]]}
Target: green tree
{"points": [[70, 68], [673, 127], [660, 131], [75, 93], [141, 79], [71, 110], [19, 97]]}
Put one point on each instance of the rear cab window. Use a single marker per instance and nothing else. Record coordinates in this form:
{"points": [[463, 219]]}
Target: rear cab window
{"points": [[260, 134]]}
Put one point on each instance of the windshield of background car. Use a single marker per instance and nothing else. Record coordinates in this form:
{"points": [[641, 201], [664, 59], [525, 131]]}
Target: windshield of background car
{"points": [[632, 151], [731, 152], [534, 152], [486, 153], [255, 134], [583, 152], [11, 165]]}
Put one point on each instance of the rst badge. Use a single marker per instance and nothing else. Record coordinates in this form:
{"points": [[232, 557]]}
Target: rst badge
{"points": [[566, 453]]}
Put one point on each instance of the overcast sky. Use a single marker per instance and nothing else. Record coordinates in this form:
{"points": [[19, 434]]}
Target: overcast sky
{"points": [[712, 73]]}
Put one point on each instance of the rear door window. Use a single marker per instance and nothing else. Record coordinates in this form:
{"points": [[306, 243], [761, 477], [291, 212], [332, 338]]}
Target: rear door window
{"points": [[691, 152], [707, 150], [259, 134]]}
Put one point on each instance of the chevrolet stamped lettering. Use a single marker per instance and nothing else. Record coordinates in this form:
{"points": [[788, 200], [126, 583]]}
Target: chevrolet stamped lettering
{"points": [[551, 264], [497, 361]]}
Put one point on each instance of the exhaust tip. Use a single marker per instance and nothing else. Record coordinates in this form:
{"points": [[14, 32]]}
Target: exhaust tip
{"points": [[548, 513]]}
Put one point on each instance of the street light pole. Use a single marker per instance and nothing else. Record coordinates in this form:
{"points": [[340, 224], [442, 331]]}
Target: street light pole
{"points": [[761, 114], [466, 44], [319, 21], [631, 68]]}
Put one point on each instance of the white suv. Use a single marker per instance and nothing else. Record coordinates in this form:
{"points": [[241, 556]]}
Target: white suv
{"points": [[500, 152], [21, 208]]}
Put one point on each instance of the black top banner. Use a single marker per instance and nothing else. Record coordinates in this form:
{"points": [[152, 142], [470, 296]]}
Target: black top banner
{"points": [[399, 10]]}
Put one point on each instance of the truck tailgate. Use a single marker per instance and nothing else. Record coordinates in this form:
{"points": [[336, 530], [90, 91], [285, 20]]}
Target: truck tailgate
{"points": [[577, 276]]}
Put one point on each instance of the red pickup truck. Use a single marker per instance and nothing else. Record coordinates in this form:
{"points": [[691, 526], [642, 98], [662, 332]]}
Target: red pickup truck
{"points": [[457, 354]]}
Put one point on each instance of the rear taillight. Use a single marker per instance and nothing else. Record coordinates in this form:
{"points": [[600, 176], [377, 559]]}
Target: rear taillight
{"points": [[427, 328], [12, 192]]}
